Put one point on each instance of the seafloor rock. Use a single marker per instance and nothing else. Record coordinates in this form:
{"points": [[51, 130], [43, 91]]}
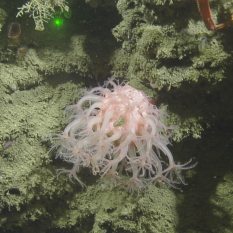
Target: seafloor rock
{"points": [[161, 47]]}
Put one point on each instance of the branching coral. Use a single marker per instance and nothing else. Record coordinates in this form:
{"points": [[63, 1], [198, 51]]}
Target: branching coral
{"points": [[120, 130], [41, 10]]}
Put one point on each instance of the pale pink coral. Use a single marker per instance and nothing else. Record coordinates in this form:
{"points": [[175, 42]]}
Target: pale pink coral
{"points": [[118, 130]]}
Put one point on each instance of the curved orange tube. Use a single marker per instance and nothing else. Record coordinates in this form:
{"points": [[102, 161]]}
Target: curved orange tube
{"points": [[204, 8]]}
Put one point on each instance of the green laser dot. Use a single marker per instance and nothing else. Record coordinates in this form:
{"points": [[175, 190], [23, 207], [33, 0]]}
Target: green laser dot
{"points": [[57, 22]]}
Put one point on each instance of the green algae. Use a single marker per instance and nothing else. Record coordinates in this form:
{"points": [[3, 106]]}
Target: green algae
{"points": [[152, 212], [27, 117], [184, 127], [156, 47], [158, 53]]}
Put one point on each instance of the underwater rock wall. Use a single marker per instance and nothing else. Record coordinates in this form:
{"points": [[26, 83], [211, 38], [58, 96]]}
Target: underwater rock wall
{"points": [[161, 47], [166, 45]]}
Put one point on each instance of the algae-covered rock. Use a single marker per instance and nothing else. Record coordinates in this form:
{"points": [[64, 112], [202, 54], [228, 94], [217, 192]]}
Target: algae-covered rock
{"points": [[161, 47], [114, 209], [172, 43], [28, 117]]}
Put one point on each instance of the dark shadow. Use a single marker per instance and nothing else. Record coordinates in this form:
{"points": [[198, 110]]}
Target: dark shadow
{"points": [[198, 211]]}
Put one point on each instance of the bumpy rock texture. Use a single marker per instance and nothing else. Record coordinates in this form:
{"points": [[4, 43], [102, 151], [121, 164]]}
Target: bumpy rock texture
{"points": [[161, 47]]}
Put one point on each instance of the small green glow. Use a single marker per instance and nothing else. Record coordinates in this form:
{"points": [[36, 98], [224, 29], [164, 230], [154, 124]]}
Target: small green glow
{"points": [[58, 21]]}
